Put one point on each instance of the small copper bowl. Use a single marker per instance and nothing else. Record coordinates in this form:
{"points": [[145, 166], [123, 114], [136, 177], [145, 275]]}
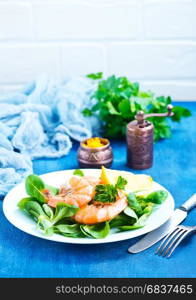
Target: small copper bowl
{"points": [[95, 157]]}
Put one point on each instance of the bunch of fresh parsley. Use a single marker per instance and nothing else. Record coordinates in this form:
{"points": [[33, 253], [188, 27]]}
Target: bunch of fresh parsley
{"points": [[118, 100], [108, 192]]}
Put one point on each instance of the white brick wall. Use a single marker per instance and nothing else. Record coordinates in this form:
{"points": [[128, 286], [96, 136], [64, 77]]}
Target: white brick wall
{"points": [[83, 58], [15, 21], [153, 60], [22, 62], [76, 20], [152, 41], [170, 19]]}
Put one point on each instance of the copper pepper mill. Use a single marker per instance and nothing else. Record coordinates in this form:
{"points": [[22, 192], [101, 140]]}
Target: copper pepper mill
{"points": [[140, 140]]}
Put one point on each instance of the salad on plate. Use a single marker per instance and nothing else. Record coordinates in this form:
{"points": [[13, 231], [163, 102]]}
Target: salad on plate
{"points": [[90, 206]]}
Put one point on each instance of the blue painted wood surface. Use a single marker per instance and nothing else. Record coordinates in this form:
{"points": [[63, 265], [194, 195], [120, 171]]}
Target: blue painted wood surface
{"points": [[22, 255]]}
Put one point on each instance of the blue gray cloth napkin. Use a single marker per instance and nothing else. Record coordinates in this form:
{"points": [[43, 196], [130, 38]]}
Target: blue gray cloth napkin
{"points": [[40, 121]]}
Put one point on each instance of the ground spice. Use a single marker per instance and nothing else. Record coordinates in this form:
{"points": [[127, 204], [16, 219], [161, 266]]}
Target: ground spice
{"points": [[94, 142]]}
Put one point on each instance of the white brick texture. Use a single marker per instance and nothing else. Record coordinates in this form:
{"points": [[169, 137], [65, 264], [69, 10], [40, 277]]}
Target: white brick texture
{"points": [[15, 21], [84, 21], [21, 63], [83, 59], [143, 60], [177, 89], [168, 19], [151, 41]]}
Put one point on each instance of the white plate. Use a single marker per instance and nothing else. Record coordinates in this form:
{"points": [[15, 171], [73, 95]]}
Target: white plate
{"points": [[21, 220]]}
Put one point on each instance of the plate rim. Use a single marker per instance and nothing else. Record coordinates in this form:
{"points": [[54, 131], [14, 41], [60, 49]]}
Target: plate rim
{"points": [[84, 241]]}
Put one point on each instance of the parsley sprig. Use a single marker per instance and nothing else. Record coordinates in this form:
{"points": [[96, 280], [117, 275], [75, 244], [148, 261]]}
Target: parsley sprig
{"points": [[108, 192]]}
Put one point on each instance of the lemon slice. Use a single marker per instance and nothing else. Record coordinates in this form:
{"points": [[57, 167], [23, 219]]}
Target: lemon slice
{"points": [[134, 182], [109, 176], [138, 182]]}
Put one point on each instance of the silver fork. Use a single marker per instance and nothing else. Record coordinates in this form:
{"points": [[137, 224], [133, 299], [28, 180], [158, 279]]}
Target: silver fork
{"points": [[173, 239]]}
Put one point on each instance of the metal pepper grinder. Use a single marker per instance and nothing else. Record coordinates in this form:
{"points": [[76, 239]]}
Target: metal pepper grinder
{"points": [[140, 140]]}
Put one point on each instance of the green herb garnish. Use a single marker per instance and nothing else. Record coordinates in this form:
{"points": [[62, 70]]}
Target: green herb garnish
{"points": [[95, 76], [117, 100], [108, 192], [121, 182], [105, 193]]}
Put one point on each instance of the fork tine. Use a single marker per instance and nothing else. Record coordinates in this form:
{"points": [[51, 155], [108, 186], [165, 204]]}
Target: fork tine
{"points": [[177, 243], [173, 241], [159, 249], [169, 240], [166, 240]]}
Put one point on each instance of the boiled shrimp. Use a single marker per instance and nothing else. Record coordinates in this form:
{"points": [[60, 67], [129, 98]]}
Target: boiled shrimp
{"points": [[80, 192], [101, 212]]}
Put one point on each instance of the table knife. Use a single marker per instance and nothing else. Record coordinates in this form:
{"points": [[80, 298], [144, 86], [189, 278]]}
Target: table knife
{"points": [[156, 235]]}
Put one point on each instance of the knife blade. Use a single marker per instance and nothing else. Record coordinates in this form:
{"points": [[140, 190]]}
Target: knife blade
{"points": [[156, 235]]}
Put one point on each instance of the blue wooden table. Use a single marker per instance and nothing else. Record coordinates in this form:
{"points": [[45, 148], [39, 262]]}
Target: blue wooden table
{"points": [[22, 255]]}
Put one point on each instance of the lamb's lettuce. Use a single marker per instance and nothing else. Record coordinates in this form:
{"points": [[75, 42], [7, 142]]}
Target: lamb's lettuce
{"points": [[48, 210], [134, 203], [34, 187], [121, 219], [44, 215], [64, 210], [68, 230], [22, 203], [156, 197], [130, 212], [78, 172], [97, 231]]}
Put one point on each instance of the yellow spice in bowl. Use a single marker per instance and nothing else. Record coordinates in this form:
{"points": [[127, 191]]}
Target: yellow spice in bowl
{"points": [[94, 142]]}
